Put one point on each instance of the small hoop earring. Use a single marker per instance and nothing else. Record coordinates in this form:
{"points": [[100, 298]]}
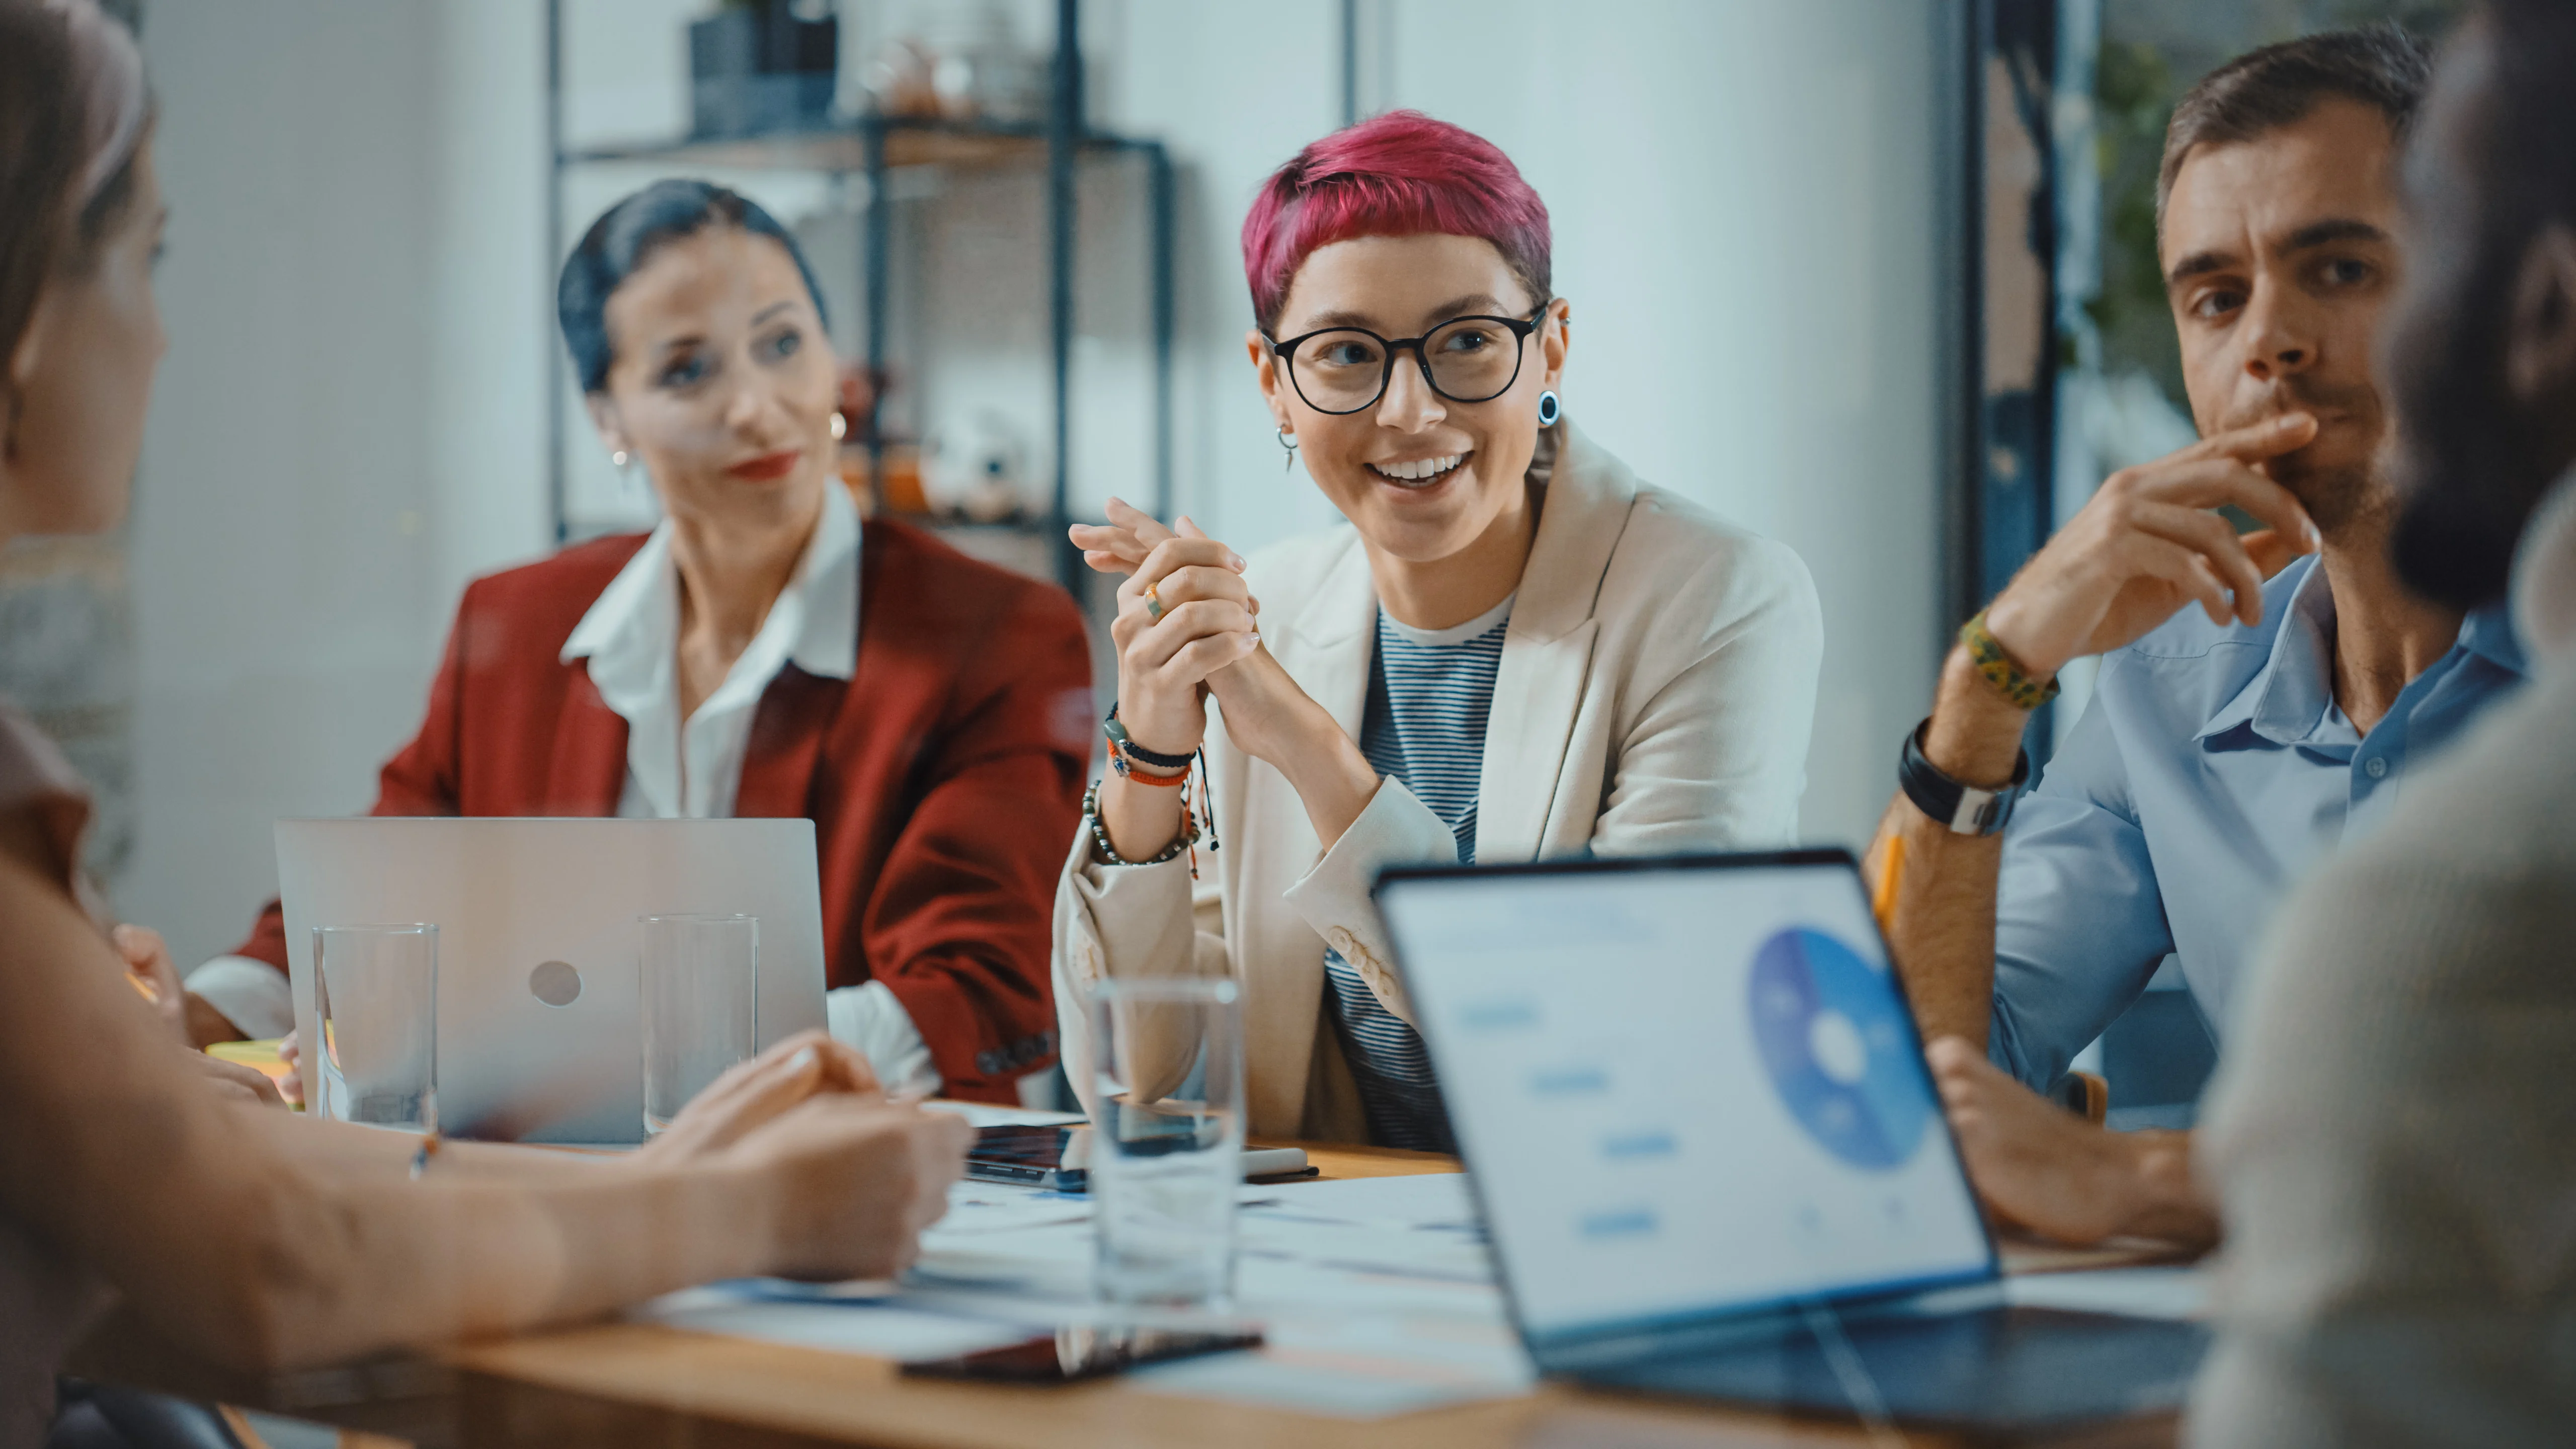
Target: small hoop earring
{"points": [[1287, 444], [1549, 408], [840, 427]]}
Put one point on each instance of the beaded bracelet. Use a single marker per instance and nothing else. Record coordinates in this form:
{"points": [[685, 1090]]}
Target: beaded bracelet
{"points": [[1188, 837], [2000, 669]]}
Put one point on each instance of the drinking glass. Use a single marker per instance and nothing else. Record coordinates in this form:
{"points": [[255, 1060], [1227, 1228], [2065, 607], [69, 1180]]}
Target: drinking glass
{"points": [[1166, 1140], [375, 1008], [700, 994]]}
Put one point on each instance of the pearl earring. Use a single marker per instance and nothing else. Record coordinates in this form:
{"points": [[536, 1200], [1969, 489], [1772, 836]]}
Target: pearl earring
{"points": [[840, 427], [618, 457]]}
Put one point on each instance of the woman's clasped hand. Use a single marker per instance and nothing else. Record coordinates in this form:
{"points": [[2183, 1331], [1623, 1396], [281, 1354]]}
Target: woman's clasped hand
{"points": [[1184, 615], [1189, 629]]}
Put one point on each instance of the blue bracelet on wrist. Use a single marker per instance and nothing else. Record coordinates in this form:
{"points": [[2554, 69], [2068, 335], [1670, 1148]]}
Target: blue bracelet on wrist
{"points": [[1118, 740]]}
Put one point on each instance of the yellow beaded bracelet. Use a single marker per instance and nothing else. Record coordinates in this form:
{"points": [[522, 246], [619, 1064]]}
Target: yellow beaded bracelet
{"points": [[2000, 670]]}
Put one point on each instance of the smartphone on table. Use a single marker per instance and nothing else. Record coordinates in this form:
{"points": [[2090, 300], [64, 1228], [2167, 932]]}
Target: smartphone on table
{"points": [[1070, 1355]]}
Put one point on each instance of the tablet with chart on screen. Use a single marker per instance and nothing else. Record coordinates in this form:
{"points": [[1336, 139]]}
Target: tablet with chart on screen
{"points": [[1695, 1111]]}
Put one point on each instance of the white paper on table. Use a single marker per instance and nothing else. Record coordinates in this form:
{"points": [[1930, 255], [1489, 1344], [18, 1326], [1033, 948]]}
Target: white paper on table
{"points": [[1362, 1318], [2168, 1292], [886, 1328], [993, 1207], [1051, 1262], [1358, 1345], [1369, 1249]]}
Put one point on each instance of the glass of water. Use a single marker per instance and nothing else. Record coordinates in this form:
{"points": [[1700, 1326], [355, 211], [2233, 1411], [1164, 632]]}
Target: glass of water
{"points": [[700, 997], [375, 1009], [1166, 1140]]}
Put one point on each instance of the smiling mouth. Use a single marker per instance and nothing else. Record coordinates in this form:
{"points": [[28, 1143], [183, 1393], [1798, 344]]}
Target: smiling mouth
{"points": [[768, 467], [1418, 472]]}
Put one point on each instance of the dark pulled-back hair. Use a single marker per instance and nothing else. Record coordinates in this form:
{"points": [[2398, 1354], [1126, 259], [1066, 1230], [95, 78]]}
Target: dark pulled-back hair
{"points": [[626, 236], [2384, 67]]}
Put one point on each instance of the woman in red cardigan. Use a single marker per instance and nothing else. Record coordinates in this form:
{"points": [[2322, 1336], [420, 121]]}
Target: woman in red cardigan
{"points": [[762, 652]]}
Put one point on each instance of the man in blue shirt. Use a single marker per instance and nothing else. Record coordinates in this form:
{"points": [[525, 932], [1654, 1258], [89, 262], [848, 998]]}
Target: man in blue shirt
{"points": [[2260, 695]]}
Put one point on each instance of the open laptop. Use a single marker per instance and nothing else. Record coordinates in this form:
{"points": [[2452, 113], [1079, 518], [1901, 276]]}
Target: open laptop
{"points": [[1696, 1116], [525, 1051]]}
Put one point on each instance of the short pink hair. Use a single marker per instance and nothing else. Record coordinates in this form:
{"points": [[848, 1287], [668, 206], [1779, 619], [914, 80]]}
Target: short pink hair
{"points": [[1399, 174]]}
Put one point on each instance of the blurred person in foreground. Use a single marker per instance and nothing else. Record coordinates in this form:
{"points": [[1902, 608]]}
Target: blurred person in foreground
{"points": [[2262, 697], [2394, 1138], [1518, 648], [764, 651], [234, 1229]]}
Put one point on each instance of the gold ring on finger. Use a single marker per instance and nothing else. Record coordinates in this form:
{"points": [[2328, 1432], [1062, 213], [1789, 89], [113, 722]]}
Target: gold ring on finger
{"points": [[1153, 604]]}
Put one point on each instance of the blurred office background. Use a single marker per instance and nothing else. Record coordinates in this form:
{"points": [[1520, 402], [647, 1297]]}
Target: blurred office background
{"points": [[1874, 277]]}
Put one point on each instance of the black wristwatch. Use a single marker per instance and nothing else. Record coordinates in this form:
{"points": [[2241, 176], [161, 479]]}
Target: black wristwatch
{"points": [[1965, 809]]}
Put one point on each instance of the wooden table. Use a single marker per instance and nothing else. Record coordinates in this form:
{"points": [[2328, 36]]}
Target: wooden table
{"points": [[637, 1384]]}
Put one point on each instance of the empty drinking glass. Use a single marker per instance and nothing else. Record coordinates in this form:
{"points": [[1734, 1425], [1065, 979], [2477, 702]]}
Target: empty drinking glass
{"points": [[375, 1008], [700, 996], [1167, 1139]]}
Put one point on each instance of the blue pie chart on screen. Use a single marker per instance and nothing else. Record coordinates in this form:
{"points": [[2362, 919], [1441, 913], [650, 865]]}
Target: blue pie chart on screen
{"points": [[1834, 1041]]}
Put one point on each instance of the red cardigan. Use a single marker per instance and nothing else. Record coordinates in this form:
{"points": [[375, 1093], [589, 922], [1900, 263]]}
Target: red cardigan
{"points": [[944, 779]]}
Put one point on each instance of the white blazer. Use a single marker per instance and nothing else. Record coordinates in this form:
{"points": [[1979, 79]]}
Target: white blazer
{"points": [[1657, 685]]}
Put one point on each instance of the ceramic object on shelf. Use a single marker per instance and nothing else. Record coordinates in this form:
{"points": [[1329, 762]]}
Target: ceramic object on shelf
{"points": [[960, 61], [977, 471]]}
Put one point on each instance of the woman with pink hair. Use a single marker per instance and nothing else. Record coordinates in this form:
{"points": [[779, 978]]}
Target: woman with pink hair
{"points": [[1517, 649]]}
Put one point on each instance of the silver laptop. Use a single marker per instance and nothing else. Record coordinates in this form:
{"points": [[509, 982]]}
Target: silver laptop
{"points": [[1697, 1118], [511, 895]]}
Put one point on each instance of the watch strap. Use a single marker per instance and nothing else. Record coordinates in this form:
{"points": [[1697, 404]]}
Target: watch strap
{"points": [[1962, 809]]}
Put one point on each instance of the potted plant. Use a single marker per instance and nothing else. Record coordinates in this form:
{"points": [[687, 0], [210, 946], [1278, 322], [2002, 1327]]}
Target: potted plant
{"points": [[763, 65]]}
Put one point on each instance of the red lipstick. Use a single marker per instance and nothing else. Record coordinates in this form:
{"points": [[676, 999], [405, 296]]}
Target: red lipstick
{"points": [[768, 467]]}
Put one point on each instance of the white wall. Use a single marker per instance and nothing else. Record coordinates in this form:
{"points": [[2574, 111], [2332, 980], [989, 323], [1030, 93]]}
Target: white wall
{"points": [[345, 428], [351, 420]]}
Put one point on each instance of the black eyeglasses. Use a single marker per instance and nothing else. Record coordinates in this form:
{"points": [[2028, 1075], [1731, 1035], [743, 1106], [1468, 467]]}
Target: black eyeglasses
{"points": [[1341, 370]]}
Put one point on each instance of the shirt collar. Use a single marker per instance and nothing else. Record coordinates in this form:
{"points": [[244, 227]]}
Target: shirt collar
{"points": [[632, 629], [2290, 700], [2488, 632], [828, 645]]}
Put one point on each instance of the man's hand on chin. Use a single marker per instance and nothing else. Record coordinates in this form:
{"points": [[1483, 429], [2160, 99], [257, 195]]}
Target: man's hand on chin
{"points": [[2045, 1169]]}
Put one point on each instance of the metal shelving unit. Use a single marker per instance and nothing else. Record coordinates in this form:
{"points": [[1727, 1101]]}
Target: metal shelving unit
{"points": [[873, 146]]}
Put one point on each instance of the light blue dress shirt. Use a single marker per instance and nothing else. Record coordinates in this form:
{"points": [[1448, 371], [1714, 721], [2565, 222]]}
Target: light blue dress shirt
{"points": [[2210, 771]]}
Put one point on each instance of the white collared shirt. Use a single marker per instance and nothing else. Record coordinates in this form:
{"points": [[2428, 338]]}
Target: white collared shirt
{"points": [[691, 769], [686, 769]]}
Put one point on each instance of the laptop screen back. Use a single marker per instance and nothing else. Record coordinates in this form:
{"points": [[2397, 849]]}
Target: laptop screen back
{"points": [[1685, 1088]]}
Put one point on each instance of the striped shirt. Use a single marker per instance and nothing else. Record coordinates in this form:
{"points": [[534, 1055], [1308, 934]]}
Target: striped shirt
{"points": [[1430, 692]]}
